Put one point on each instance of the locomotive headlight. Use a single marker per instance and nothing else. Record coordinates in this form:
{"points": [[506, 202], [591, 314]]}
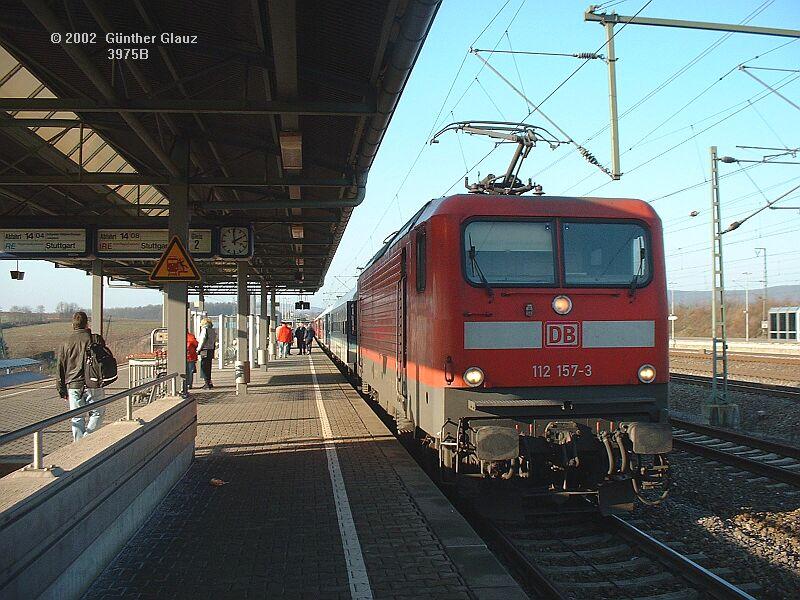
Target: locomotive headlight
{"points": [[562, 305], [473, 377], [647, 373]]}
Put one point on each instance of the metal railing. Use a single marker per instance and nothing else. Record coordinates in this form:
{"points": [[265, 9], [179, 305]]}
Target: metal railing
{"points": [[38, 428]]}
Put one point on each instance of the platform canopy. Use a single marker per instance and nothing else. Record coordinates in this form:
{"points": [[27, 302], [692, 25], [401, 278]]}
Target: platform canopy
{"points": [[282, 103]]}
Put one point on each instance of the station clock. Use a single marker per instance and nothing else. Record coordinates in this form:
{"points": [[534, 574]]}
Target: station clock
{"points": [[234, 242]]}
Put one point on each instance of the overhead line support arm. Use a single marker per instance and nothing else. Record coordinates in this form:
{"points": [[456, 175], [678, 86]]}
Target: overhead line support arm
{"points": [[620, 19]]}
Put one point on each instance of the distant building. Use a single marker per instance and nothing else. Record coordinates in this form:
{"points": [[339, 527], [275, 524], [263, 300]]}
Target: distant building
{"points": [[784, 322]]}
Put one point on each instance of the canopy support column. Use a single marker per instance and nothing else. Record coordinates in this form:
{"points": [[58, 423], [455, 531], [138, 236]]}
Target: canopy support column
{"points": [[176, 293], [242, 367], [273, 346], [97, 296], [263, 328]]}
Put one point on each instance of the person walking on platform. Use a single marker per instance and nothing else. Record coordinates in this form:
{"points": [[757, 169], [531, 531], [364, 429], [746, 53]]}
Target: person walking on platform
{"points": [[284, 337], [310, 335], [191, 359], [71, 382], [206, 344], [300, 336]]}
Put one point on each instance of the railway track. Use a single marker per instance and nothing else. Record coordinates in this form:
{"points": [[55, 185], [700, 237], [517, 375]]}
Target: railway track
{"points": [[572, 555], [783, 391], [581, 555], [768, 459]]}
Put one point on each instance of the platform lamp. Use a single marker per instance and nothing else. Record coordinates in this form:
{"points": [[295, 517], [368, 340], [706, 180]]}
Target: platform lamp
{"points": [[17, 274]]}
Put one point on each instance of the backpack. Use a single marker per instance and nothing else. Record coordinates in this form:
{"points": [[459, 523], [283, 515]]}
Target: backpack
{"points": [[100, 367]]}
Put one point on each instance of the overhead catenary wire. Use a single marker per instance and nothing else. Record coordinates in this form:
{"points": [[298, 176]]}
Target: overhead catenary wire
{"points": [[424, 145], [652, 93], [550, 95], [672, 223], [673, 147], [516, 66], [537, 108], [534, 108], [741, 105]]}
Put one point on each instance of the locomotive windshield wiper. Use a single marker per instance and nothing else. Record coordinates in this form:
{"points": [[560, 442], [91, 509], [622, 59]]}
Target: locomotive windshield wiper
{"points": [[635, 280], [476, 268]]}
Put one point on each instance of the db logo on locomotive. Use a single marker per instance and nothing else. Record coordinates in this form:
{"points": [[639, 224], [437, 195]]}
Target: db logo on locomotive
{"points": [[562, 334]]}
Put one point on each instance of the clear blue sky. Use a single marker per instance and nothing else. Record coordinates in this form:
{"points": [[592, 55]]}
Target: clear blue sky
{"points": [[665, 143]]}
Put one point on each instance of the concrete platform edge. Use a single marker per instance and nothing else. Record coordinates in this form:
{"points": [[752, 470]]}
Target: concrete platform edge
{"points": [[484, 575]]}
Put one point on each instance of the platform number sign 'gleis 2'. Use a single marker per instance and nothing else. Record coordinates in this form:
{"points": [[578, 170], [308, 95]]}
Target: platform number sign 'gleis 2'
{"points": [[562, 334]]}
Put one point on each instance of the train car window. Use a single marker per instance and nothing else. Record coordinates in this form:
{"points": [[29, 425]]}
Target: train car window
{"points": [[509, 252], [602, 254], [422, 247]]}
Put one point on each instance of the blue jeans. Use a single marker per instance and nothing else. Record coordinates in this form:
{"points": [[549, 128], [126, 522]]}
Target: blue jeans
{"points": [[78, 398], [191, 367], [284, 348]]}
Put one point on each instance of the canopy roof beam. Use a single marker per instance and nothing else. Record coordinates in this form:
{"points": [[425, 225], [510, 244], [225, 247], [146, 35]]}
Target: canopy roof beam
{"points": [[114, 178], [190, 106], [53, 24]]}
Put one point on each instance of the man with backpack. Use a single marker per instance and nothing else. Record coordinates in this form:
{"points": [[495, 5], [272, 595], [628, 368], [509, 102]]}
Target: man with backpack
{"points": [[85, 365]]}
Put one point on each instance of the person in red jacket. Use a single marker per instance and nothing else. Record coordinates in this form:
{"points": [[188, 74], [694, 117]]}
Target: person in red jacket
{"points": [[191, 358], [284, 336]]}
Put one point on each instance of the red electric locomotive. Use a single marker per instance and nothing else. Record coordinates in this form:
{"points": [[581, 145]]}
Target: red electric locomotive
{"points": [[525, 337]]}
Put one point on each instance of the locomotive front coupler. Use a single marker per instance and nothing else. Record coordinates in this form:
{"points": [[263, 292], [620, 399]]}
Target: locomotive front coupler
{"points": [[643, 451]]}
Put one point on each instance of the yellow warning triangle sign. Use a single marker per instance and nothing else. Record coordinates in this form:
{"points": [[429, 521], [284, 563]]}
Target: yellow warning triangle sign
{"points": [[175, 264]]}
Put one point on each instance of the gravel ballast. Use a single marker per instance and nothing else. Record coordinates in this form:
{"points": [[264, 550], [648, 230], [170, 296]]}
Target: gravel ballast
{"points": [[747, 526]]}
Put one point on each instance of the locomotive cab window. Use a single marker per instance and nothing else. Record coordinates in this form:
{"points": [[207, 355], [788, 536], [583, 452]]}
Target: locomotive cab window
{"points": [[603, 254], [509, 253]]}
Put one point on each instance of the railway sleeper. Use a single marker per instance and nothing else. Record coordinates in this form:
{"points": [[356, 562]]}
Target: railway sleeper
{"points": [[676, 595], [646, 582], [630, 565]]}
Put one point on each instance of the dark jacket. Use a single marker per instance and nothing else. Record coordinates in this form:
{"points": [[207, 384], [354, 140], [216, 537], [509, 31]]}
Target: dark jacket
{"points": [[300, 333], [310, 334], [71, 356]]}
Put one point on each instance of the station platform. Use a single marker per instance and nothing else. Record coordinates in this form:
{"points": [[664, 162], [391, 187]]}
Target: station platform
{"points": [[319, 501], [763, 347]]}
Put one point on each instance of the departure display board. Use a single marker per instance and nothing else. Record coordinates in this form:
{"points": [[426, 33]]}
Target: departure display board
{"points": [[43, 243], [144, 243]]}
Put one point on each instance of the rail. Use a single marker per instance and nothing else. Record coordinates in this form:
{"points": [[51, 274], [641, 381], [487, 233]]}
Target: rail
{"points": [[779, 461], [537, 577], [783, 391], [704, 579], [736, 437], [38, 428]]}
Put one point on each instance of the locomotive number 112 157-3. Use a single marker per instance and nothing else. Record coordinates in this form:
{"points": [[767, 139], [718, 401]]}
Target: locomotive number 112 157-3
{"points": [[561, 370]]}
